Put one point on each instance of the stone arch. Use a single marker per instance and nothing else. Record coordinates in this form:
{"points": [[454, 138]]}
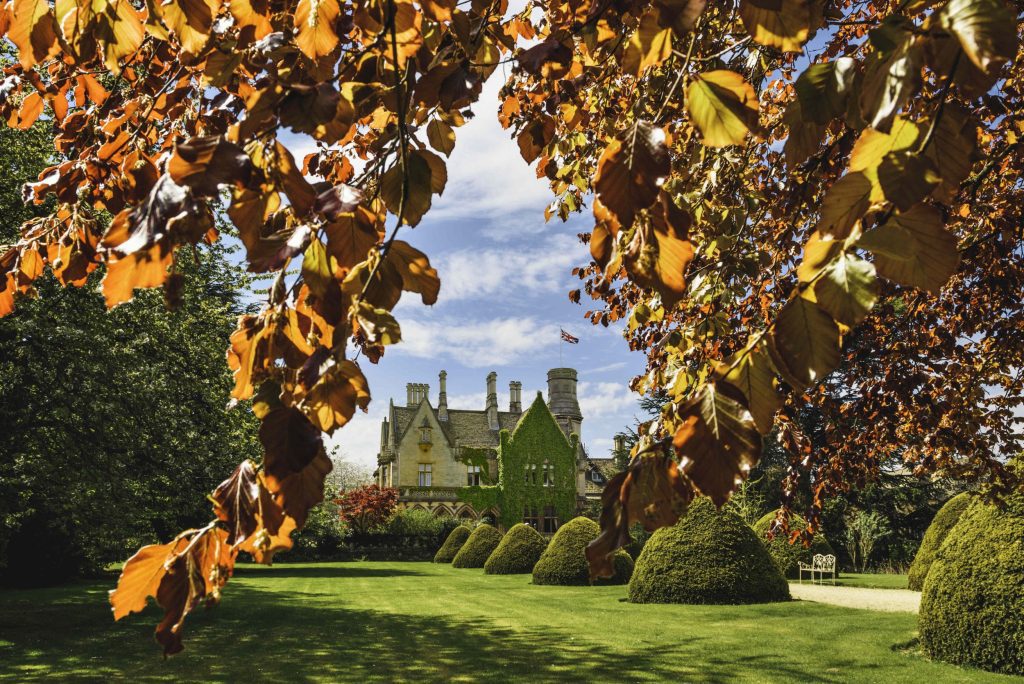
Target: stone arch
{"points": [[443, 511], [466, 513], [490, 516]]}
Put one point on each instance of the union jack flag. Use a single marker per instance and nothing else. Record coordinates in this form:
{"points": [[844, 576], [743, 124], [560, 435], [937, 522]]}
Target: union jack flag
{"points": [[569, 338]]}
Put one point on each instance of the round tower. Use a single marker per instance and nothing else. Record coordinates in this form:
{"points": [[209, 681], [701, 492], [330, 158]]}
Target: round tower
{"points": [[562, 399]]}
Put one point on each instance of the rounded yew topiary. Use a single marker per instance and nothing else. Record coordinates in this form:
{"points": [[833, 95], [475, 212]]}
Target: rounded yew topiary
{"points": [[972, 607], [709, 556], [518, 552], [481, 543], [564, 561], [942, 523], [786, 556], [452, 544]]}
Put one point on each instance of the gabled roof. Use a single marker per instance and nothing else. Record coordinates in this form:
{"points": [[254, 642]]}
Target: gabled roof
{"points": [[463, 427]]}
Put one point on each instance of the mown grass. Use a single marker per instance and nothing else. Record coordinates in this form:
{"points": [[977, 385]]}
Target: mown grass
{"points": [[872, 580], [432, 623]]}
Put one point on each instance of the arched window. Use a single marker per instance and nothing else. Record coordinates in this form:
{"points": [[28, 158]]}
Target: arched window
{"points": [[549, 474]]}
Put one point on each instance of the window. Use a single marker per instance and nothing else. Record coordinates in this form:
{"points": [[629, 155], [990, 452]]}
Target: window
{"points": [[424, 474], [549, 475], [549, 523], [596, 477], [473, 475], [531, 518], [424, 435], [531, 474]]}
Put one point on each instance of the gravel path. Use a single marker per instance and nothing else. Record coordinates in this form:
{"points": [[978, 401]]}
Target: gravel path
{"points": [[889, 600]]}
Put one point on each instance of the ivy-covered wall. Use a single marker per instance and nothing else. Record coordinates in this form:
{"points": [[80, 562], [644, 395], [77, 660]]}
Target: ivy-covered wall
{"points": [[478, 456], [536, 440]]}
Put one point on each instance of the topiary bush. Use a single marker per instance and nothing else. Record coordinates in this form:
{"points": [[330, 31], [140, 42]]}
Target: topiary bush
{"points": [[788, 556], [564, 562], [452, 545], [972, 607], [709, 556], [518, 552], [942, 523], [481, 544]]}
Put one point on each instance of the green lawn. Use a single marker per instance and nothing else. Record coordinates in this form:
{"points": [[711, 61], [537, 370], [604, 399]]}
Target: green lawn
{"points": [[422, 622], [872, 580]]}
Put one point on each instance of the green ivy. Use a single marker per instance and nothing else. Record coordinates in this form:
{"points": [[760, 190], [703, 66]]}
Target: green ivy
{"points": [[478, 456], [536, 438]]}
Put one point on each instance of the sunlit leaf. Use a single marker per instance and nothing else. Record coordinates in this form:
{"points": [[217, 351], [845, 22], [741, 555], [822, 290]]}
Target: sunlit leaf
{"points": [[843, 206], [650, 45], [723, 107], [632, 169], [914, 249], [717, 442], [848, 289], [805, 343], [33, 30], [314, 27], [783, 24], [752, 372]]}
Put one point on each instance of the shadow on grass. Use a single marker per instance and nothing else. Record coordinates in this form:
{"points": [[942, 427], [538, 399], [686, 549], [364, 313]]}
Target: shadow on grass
{"points": [[283, 570], [286, 636]]}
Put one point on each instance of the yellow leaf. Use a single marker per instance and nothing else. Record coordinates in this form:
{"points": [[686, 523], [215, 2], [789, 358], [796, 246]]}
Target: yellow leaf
{"points": [[649, 45], [723, 107], [33, 30], [314, 24], [783, 24]]}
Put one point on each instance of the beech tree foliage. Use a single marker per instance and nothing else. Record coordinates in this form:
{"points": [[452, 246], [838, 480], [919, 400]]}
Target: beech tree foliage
{"points": [[776, 186]]}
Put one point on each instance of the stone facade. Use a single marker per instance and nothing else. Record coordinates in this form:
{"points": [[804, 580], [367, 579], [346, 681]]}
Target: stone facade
{"points": [[439, 458]]}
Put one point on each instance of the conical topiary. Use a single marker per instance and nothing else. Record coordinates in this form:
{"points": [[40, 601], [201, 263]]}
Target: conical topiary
{"points": [[480, 545], [709, 556], [452, 544], [942, 523], [786, 555], [972, 606], [518, 552], [564, 562]]}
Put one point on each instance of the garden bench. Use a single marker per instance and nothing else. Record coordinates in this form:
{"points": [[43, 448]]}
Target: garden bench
{"points": [[820, 565]]}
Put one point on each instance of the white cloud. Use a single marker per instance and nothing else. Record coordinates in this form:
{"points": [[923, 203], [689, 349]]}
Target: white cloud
{"points": [[476, 343], [606, 400], [604, 369], [475, 401], [544, 267]]}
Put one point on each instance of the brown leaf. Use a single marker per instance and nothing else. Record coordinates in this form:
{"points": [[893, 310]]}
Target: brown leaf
{"points": [[33, 30], [290, 443], [652, 492], [338, 200], [717, 442], [298, 492], [631, 171], [659, 253], [140, 577], [332, 401], [206, 162], [314, 24]]}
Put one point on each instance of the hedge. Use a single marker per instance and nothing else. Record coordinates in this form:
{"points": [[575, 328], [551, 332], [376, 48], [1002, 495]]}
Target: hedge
{"points": [[518, 552], [942, 523], [788, 556], [480, 545], [972, 607], [709, 557], [564, 562], [451, 546]]}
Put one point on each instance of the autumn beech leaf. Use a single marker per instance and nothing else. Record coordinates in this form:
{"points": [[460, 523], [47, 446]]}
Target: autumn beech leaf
{"points": [[290, 442], [751, 371], [907, 178], [141, 576], [29, 111], [33, 30], [823, 90], [333, 400], [377, 325], [251, 13], [143, 268], [844, 205], [782, 24], [438, 170], [351, 236], [892, 72], [123, 33], [652, 492], [680, 15], [236, 502], [632, 169], [338, 200], [191, 21], [417, 194], [805, 343], [549, 58], [207, 162], [986, 30], [873, 146], [660, 252], [441, 137], [650, 45], [297, 492], [717, 441], [723, 107], [314, 26], [914, 249], [848, 289], [415, 271]]}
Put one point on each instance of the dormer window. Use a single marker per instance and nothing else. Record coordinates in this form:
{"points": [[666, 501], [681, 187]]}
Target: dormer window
{"points": [[425, 437]]}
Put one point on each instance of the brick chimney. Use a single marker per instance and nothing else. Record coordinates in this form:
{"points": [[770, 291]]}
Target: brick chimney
{"points": [[492, 401], [515, 397]]}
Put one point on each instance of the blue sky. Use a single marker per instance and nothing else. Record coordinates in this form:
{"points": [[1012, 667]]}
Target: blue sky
{"points": [[505, 276]]}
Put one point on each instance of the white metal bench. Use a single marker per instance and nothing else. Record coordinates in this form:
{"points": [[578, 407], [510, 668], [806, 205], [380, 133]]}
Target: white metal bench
{"points": [[820, 565]]}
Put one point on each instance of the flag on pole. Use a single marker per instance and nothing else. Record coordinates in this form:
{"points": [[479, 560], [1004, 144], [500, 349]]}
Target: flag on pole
{"points": [[569, 338]]}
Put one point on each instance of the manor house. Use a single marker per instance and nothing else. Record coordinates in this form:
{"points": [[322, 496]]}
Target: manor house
{"points": [[506, 466]]}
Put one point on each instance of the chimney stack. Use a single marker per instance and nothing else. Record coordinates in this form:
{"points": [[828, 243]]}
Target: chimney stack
{"points": [[415, 392], [492, 401], [515, 397], [562, 400], [620, 445], [442, 397]]}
